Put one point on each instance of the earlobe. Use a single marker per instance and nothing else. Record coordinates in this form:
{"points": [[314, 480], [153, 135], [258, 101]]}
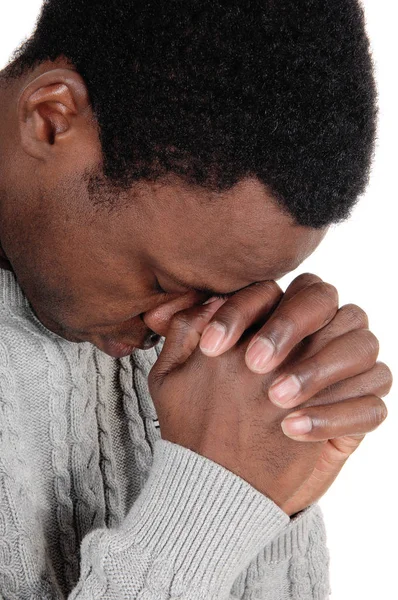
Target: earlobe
{"points": [[48, 111]]}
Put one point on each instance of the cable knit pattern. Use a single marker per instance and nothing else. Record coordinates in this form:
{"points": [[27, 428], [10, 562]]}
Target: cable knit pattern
{"points": [[89, 503], [57, 388], [95, 505], [22, 538], [142, 449], [9, 437], [144, 362], [107, 458], [318, 558]]}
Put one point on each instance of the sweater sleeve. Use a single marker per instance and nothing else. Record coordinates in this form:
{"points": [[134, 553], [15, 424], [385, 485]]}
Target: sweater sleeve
{"points": [[294, 566], [194, 528]]}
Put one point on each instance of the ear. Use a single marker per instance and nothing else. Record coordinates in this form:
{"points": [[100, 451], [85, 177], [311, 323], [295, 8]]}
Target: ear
{"points": [[53, 111]]}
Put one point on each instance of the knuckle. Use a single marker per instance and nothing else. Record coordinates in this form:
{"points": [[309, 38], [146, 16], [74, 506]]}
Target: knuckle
{"points": [[306, 279], [355, 315], [378, 412], [244, 304], [284, 326], [384, 378], [326, 298], [233, 311], [180, 322], [325, 301], [329, 314], [384, 411], [327, 394], [231, 314], [259, 293], [328, 291], [369, 341], [265, 286], [155, 378]]}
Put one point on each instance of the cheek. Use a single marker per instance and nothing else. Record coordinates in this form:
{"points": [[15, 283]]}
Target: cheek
{"points": [[94, 310]]}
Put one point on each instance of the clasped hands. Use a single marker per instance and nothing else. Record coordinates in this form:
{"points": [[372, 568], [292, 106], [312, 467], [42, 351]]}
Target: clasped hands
{"points": [[325, 361], [311, 375]]}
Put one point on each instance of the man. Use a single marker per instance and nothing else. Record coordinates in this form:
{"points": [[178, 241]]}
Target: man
{"points": [[155, 156]]}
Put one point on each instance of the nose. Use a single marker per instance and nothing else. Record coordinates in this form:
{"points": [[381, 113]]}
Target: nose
{"points": [[150, 341], [158, 319]]}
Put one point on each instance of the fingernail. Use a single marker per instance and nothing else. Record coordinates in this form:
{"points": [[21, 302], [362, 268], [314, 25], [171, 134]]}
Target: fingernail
{"points": [[284, 389], [212, 338], [296, 425], [210, 300], [259, 354]]}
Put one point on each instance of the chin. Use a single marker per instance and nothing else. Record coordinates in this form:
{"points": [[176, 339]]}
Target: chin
{"points": [[110, 345], [116, 349]]}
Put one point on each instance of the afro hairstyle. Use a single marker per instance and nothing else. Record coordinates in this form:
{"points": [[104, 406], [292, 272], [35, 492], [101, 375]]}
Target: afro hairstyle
{"points": [[218, 90]]}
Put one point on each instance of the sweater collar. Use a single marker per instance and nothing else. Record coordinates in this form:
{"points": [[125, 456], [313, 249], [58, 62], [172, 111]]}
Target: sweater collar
{"points": [[10, 292]]}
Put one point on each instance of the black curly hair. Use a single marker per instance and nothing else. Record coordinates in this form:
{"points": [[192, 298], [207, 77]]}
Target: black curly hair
{"points": [[217, 90]]}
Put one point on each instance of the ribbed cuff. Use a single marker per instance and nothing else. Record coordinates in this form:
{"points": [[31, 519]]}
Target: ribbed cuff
{"points": [[292, 542], [208, 521]]}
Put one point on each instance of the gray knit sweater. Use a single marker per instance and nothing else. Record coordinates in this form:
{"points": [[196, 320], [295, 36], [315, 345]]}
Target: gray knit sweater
{"points": [[95, 505]]}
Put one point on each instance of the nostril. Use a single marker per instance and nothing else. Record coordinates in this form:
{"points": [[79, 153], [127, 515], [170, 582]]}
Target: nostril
{"points": [[151, 340]]}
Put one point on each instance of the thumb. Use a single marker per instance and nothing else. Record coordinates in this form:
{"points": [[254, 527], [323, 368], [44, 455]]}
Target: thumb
{"points": [[183, 335]]}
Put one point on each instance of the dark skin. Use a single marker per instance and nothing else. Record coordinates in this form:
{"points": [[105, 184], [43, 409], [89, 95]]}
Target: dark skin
{"points": [[93, 274]]}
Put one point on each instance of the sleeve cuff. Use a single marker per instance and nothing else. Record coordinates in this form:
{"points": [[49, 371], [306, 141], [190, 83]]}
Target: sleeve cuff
{"points": [[208, 521]]}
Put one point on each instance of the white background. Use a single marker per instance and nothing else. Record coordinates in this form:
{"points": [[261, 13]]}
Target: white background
{"points": [[357, 257]]}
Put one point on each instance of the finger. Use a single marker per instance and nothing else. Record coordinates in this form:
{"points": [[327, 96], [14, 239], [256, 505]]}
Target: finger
{"points": [[241, 311], [306, 312], [356, 416], [300, 283], [377, 381], [348, 318], [351, 354], [182, 339]]}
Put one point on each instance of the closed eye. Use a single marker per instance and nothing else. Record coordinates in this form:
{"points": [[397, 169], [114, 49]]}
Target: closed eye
{"points": [[158, 288], [210, 293]]}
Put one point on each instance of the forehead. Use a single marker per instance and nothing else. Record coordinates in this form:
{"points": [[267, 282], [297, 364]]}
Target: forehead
{"points": [[234, 237]]}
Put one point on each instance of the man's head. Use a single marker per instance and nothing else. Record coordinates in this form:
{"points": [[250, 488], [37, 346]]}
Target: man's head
{"points": [[210, 141]]}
